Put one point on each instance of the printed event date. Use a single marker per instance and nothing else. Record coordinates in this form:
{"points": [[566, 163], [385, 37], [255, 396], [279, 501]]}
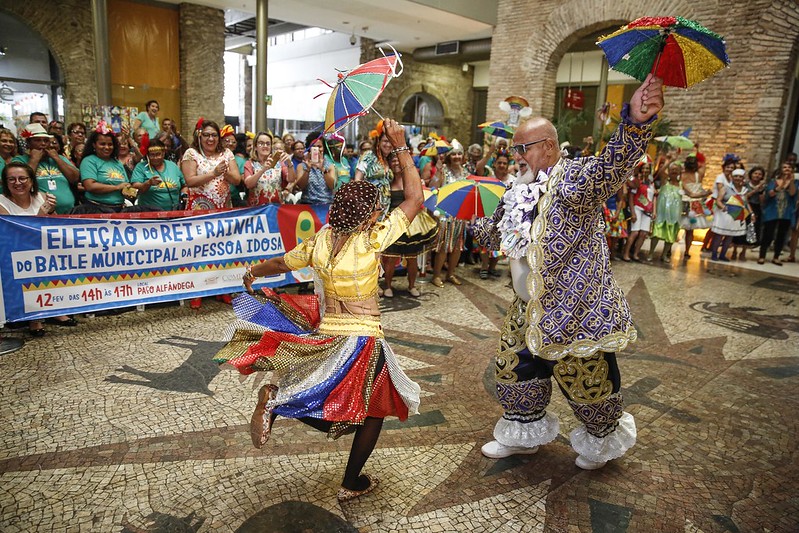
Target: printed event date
{"points": [[47, 299]]}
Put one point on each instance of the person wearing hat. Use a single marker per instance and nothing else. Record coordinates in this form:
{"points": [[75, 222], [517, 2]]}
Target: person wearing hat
{"points": [[337, 374], [569, 317], [725, 227], [54, 172]]}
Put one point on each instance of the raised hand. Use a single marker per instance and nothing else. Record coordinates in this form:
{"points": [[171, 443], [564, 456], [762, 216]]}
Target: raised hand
{"points": [[394, 132], [647, 100]]}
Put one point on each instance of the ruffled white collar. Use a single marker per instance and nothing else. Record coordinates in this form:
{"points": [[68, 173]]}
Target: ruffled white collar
{"points": [[520, 201]]}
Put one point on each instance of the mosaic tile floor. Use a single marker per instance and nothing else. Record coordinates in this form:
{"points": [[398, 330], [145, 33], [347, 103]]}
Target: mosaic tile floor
{"points": [[123, 424]]}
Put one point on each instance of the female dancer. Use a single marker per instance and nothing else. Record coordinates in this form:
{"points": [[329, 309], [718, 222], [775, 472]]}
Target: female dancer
{"points": [[669, 205], [338, 375]]}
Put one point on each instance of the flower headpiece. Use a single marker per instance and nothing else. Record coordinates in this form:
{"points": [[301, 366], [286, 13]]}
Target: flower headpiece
{"points": [[226, 130], [103, 128], [144, 144], [199, 125], [378, 131], [249, 134]]}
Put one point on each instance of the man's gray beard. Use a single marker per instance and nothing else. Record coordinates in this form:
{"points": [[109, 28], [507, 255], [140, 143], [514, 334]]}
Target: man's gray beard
{"points": [[526, 177]]}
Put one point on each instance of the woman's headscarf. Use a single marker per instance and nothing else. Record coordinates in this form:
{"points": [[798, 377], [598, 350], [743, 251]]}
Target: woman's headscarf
{"points": [[352, 204]]}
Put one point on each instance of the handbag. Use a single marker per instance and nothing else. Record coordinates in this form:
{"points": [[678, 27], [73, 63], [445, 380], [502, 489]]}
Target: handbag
{"points": [[751, 234]]}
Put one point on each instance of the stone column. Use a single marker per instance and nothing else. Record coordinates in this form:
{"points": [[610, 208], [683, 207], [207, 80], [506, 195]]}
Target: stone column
{"points": [[202, 66]]}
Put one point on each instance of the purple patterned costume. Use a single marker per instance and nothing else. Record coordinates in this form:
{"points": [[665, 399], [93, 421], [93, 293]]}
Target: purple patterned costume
{"points": [[569, 316]]}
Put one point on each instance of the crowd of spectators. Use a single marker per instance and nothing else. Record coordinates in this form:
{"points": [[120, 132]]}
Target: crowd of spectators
{"points": [[73, 169]]}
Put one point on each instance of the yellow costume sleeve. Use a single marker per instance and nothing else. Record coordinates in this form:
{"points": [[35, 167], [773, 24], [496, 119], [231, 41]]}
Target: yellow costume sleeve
{"points": [[300, 256], [392, 228]]}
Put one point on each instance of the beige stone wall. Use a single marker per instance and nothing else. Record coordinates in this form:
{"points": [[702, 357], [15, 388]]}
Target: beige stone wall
{"points": [[448, 83], [66, 27], [202, 68], [739, 110]]}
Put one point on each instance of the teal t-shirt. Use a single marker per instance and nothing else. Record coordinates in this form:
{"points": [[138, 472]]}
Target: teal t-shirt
{"points": [[52, 180], [343, 174], [165, 195], [152, 126], [110, 172]]}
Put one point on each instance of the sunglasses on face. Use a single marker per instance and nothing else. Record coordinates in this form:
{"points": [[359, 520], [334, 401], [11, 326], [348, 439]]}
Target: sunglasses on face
{"points": [[522, 148]]}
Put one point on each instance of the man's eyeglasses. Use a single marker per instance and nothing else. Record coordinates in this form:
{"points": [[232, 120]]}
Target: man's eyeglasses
{"points": [[209, 135], [521, 148]]}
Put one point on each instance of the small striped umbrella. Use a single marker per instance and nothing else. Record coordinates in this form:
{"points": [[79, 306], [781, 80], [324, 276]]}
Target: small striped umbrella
{"points": [[680, 51], [497, 129], [472, 196]]}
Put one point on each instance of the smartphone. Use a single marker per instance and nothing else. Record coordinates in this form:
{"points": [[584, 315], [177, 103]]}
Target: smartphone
{"points": [[315, 154]]}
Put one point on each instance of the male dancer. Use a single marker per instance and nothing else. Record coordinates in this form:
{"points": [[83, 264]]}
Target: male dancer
{"points": [[569, 317]]}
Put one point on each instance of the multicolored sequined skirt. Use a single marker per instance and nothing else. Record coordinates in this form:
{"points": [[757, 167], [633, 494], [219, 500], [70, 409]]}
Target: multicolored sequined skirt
{"points": [[341, 379]]}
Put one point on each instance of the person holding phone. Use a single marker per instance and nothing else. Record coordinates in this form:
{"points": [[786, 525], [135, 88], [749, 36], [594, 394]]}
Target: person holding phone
{"points": [[315, 177], [263, 175]]}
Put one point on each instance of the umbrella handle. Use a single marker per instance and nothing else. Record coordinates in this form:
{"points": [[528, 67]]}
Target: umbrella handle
{"points": [[655, 65], [378, 114]]}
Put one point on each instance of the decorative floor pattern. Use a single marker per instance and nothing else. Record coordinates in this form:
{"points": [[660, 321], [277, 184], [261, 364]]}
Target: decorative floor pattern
{"points": [[124, 424]]}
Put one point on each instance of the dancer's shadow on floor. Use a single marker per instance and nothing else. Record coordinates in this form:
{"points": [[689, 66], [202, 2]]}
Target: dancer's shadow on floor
{"points": [[193, 375]]}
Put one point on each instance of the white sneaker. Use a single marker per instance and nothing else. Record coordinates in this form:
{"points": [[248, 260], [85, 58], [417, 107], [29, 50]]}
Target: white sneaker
{"points": [[588, 464], [495, 450]]}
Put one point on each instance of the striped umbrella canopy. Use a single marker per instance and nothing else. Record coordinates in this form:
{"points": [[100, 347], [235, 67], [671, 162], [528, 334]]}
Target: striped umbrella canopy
{"points": [[430, 198], [439, 146], [472, 196], [677, 141], [680, 51], [497, 129], [357, 90]]}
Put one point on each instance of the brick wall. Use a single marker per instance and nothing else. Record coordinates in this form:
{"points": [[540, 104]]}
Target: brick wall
{"points": [[66, 27], [447, 83], [739, 110], [202, 47]]}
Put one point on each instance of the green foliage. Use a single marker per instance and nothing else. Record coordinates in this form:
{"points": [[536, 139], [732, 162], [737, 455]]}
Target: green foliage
{"points": [[567, 120]]}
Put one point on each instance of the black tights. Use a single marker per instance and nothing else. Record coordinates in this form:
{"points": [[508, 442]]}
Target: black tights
{"points": [[363, 444], [362, 447]]}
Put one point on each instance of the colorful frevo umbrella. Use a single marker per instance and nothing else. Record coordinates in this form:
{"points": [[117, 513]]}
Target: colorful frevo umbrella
{"points": [[497, 129], [430, 198], [472, 196], [357, 90], [439, 146], [736, 208], [677, 141], [680, 51]]}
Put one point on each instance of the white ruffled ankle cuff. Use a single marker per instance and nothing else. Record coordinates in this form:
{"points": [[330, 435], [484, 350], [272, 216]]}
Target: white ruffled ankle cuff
{"points": [[528, 434], [612, 446]]}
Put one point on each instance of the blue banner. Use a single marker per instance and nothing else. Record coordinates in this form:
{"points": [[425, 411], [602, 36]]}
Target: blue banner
{"points": [[52, 266]]}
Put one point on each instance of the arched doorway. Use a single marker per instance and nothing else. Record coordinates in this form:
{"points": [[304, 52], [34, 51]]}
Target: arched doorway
{"points": [[30, 78], [583, 85], [423, 110]]}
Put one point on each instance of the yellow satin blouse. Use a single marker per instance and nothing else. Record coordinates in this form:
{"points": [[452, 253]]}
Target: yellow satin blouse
{"points": [[351, 275]]}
